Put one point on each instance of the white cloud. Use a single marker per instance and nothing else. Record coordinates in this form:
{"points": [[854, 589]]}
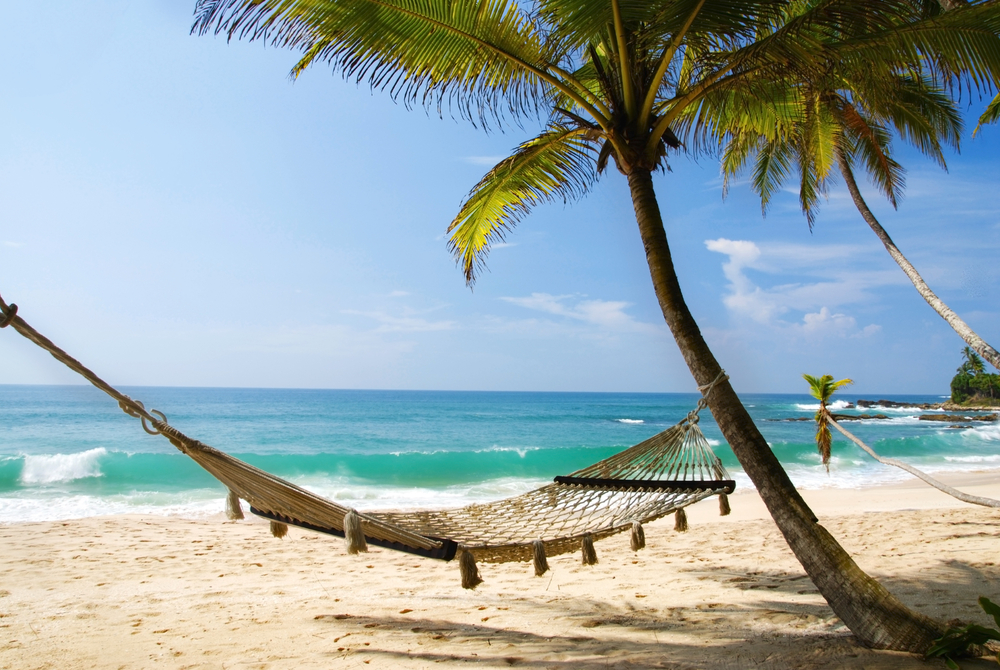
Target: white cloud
{"points": [[823, 320], [744, 297], [398, 294], [603, 313], [870, 330], [403, 324], [14, 245], [766, 306]]}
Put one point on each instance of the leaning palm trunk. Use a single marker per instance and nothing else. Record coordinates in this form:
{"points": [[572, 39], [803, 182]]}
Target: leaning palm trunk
{"points": [[874, 615], [958, 325], [940, 486]]}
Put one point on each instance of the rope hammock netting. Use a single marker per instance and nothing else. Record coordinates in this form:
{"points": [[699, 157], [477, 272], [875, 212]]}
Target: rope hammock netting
{"points": [[659, 476]]}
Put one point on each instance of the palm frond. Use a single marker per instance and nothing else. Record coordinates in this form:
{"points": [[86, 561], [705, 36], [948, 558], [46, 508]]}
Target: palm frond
{"points": [[735, 154], [582, 22], [822, 388], [824, 438], [761, 108], [799, 49], [871, 144], [815, 139], [558, 163], [961, 46], [922, 114], [477, 57], [991, 115], [771, 169]]}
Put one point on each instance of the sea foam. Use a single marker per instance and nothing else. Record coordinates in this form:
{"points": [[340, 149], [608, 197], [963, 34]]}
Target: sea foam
{"points": [[26, 508], [992, 458], [630, 421], [988, 432], [55, 468], [836, 404], [366, 496]]}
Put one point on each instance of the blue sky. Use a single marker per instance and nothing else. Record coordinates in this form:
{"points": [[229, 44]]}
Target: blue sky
{"points": [[177, 212]]}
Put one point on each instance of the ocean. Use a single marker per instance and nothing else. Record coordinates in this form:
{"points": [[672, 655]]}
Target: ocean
{"points": [[69, 452]]}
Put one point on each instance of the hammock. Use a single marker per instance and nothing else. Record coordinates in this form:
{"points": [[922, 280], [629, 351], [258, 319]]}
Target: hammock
{"points": [[659, 476]]}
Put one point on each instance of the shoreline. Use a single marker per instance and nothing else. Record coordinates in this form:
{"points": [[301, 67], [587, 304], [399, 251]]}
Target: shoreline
{"points": [[132, 591], [910, 494], [880, 494]]}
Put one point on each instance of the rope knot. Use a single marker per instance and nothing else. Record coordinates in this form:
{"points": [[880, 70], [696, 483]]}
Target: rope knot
{"points": [[692, 417], [707, 388], [125, 407], [9, 317]]}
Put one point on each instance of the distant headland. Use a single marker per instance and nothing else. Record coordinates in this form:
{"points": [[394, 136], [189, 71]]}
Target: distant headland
{"points": [[972, 386]]}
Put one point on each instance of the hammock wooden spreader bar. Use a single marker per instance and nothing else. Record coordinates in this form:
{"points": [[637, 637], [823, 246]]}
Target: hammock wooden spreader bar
{"points": [[642, 485], [661, 475]]}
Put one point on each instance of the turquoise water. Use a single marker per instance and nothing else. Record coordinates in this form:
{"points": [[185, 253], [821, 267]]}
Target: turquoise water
{"points": [[68, 451]]}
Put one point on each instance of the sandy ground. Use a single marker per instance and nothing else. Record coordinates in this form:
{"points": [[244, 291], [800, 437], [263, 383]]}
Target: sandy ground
{"points": [[140, 592]]}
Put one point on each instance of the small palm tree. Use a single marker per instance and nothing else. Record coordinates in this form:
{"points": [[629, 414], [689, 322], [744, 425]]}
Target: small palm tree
{"points": [[822, 388], [973, 364]]}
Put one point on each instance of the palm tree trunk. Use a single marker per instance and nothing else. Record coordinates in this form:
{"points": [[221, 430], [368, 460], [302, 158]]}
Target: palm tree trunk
{"points": [[874, 615], [956, 322]]}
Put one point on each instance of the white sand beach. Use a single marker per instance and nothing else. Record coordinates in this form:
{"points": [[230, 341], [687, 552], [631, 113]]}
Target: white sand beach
{"points": [[140, 592]]}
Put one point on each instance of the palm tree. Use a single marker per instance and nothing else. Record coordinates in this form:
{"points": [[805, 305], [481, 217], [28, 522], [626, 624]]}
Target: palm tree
{"points": [[972, 379], [845, 121], [973, 364], [822, 388], [619, 78]]}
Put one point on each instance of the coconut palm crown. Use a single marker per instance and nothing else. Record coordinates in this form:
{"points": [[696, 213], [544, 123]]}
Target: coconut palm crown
{"points": [[844, 122], [630, 82]]}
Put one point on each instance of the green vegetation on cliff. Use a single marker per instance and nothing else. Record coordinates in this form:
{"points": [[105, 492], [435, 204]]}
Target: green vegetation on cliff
{"points": [[973, 385]]}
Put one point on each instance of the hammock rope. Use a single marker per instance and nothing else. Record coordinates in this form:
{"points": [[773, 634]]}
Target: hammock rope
{"points": [[659, 476]]}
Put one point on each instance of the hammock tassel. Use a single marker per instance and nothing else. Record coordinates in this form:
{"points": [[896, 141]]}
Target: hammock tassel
{"points": [[470, 573], [588, 551], [278, 529], [638, 540], [234, 510], [355, 537], [541, 562], [680, 521], [724, 509]]}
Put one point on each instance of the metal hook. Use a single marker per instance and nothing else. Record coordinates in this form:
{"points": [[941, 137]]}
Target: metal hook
{"points": [[153, 431]]}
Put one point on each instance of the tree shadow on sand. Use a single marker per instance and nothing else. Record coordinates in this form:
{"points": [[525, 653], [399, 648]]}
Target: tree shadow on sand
{"points": [[588, 633]]}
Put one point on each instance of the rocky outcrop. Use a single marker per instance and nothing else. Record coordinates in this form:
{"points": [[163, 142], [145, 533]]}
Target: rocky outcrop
{"points": [[958, 418], [858, 417], [955, 407], [838, 417], [897, 405], [946, 406]]}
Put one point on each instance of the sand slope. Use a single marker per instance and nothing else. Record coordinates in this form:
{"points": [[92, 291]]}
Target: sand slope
{"points": [[139, 592]]}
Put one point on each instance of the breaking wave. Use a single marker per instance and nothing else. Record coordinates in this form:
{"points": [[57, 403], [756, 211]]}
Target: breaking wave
{"points": [[40, 470]]}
